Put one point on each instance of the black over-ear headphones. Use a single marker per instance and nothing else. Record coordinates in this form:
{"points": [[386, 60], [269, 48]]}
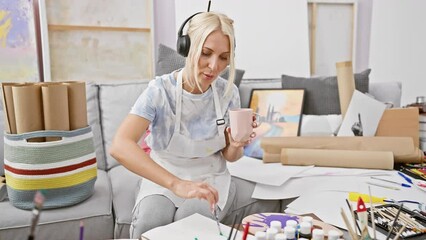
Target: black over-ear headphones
{"points": [[183, 41]]}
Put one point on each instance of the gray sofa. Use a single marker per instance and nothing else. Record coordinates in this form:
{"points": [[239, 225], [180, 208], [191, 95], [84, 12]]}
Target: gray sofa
{"points": [[107, 214]]}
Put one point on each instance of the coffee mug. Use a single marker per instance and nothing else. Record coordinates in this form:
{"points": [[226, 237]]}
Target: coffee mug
{"points": [[241, 121]]}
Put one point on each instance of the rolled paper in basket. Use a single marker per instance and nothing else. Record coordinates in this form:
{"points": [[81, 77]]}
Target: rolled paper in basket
{"points": [[9, 109], [337, 158], [77, 104], [55, 108], [345, 84], [402, 148], [28, 105]]}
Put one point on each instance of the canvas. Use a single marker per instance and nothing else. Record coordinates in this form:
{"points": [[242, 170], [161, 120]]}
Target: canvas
{"points": [[18, 48], [362, 117], [279, 113]]}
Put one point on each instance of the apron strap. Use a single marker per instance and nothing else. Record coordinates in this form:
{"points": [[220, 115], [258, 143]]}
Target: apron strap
{"points": [[220, 120], [178, 101]]}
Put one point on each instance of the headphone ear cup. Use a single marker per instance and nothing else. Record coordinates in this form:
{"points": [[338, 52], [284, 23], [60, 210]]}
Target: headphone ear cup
{"points": [[183, 45]]}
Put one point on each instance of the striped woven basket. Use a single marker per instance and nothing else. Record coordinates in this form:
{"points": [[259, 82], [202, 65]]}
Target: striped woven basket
{"points": [[65, 170]]}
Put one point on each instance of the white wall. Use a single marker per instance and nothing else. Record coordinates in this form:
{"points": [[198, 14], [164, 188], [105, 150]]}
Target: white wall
{"points": [[166, 34], [164, 24], [398, 45], [165, 28], [270, 40]]}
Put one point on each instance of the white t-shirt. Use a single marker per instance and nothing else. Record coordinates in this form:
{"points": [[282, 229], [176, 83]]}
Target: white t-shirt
{"points": [[158, 105]]}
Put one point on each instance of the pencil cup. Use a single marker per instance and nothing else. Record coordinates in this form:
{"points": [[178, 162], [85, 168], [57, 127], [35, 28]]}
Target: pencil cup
{"points": [[241, 123]]}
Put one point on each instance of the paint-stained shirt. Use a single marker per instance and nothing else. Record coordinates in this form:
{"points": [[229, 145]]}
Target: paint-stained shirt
{"points": [[158, 105]]}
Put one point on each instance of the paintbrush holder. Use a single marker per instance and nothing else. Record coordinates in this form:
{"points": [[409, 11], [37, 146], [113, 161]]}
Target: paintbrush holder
{"points": [[385, 214]]}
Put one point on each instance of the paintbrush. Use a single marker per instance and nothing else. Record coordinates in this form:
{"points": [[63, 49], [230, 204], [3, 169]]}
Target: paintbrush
{"points": [[361, 211], [216, 216], [232, 227], [38, 205]]}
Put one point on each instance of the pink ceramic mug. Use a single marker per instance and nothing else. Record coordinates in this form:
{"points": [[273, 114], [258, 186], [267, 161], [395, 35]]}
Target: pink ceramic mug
{"points": [[241, 121]]}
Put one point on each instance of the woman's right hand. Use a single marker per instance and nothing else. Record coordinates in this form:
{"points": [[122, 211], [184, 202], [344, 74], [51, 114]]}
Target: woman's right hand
{"points": [[200, 190]]}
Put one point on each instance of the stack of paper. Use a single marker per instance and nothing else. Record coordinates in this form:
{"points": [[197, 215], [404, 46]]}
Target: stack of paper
{"points": [[195, 226]]}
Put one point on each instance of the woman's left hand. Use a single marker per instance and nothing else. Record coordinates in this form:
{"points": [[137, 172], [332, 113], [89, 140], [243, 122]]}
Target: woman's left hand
{"points": [[238, 144]]}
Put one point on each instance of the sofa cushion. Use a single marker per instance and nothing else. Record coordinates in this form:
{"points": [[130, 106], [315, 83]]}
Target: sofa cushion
{"points": [[63, 223], [95, 122], [125, 186], [115, 100], [320, 125], [322, 94], [169, 60], [386, 92], [247, 85]]}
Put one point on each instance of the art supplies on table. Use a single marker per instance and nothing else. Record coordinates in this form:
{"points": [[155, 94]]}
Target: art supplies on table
{"points": [[389, 181], [417, 171], [362, 215], [409, 224], [260, 222], [420, 184]]}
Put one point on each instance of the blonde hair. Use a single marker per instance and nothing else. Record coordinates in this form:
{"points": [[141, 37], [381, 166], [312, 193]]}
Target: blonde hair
{"points": [[199, 28]]}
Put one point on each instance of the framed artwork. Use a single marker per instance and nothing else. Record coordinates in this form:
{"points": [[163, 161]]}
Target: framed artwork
{"points": [[279, 113], [18, 41]]}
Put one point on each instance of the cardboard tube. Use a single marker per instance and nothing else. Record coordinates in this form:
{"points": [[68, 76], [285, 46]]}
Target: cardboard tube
{"points": [[271, 157], [77, 104], [337, 158], [400, 122], [402, 148], [55, 108], [345, 84], [28, 109], [9, 109]]}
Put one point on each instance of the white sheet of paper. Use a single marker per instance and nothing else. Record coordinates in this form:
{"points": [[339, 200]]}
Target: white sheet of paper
{"points": [[332, 171], [299, 186], [317, 178], [194, 226], [370, 112], [274, 174]]}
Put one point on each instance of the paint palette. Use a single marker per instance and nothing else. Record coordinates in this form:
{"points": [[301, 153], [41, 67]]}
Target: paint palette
{"points": [[261, 221], [415, 222]]}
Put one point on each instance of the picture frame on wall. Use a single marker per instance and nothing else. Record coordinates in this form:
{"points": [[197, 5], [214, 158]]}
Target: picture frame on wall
{"points": [[278, 113], [19, 41]]}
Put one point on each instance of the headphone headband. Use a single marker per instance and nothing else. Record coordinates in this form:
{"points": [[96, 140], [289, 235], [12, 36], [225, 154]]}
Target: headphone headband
{"points": [[183, 40], [183, 24]]}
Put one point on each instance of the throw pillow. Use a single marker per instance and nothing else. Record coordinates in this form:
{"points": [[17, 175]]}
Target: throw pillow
{"points": [[322, 94], [169, 60]]}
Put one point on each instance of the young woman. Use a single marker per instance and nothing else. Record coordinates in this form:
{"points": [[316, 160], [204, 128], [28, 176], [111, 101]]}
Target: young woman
{"points": [[187, 114]]}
